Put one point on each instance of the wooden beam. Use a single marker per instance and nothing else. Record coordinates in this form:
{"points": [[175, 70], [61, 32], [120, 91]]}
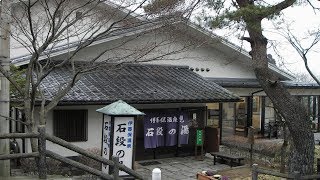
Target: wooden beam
{"points": [[19, 135], [72, 147], [16, 156], [79, 165]]}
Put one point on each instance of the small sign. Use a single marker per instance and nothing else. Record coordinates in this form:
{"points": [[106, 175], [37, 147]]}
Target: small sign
{"points": [[123, 140], [199, 140]]}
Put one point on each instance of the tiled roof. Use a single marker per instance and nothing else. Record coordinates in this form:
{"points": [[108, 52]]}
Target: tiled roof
{"points": [[137, 83], [253, 83]]}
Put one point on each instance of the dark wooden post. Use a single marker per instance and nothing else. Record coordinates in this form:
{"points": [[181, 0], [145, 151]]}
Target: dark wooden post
{"points": [[249, 114], [314, 108], [318, 167], [220, 122], [251, 141], [42, 165], [263, 114], [115, 169], [254, 172], [318, 128]]}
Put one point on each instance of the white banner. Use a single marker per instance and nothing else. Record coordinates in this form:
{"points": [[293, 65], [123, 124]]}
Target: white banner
{"points": [[123, 140]]}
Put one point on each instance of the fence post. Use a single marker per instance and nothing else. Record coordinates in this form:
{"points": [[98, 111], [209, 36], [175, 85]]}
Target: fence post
{"points": [[254, 172], [318, 166], [296, 175], [42, 165], [115, 169]]}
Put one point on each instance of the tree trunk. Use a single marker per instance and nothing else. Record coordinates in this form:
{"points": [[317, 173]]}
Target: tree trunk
{"points": [[31, 127], [294, 113], [283, 151], [33, 141]]}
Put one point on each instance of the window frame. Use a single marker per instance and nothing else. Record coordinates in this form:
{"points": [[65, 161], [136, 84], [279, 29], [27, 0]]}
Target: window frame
{"points": [[68, 125]]}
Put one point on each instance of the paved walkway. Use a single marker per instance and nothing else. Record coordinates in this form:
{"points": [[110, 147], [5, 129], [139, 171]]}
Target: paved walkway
{"points": [[179, 167]]}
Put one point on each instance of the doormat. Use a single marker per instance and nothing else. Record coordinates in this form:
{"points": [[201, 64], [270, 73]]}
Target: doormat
{"points": [[149, 163]]}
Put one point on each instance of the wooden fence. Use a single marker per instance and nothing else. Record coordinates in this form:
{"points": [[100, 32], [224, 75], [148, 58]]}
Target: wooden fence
{"points": [[43, 153], [296, 175]]}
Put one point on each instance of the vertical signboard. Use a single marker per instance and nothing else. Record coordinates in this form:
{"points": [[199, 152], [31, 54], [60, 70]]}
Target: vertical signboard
{"points": [[199, 139], [106, 141], [123, 140]]}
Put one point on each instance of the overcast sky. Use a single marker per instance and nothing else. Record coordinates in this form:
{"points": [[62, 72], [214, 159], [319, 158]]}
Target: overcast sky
{"points": [[302, 19]]}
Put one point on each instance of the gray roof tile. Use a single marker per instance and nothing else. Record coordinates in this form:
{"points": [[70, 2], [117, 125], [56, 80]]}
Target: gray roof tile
{"points": [[137, 83]]}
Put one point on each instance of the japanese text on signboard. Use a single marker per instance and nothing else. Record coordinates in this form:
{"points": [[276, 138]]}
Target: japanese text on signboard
{"points": [[165, 129], [123, 140], [106, 141]]}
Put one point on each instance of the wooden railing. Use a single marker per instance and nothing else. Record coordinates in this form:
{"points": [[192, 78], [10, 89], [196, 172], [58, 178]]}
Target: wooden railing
{"points": [[296, 175], [43, 153]]}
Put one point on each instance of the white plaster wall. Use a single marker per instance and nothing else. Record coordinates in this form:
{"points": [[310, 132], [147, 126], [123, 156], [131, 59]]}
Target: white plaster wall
{"points": [[220, 64], [95, 126]]}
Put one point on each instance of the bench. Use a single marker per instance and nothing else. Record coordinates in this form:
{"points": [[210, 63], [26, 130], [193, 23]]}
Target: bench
{"points": [[224, 156]]}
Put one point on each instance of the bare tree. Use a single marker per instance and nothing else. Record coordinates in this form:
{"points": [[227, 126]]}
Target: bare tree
{"points": [[303, 50], [43, 26]]}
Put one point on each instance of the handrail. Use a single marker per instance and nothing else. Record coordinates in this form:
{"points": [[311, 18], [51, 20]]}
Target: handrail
{"points": [[42, 136], [100, 159], [74, 148], [19, 135], [78, 165], [15, 156]]}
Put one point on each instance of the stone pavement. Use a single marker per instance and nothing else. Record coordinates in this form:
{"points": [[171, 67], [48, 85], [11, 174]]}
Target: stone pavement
{"points": [[180, 167]]}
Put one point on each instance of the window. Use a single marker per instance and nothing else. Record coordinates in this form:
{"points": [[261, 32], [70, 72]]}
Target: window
{"points": [[70, 125]]}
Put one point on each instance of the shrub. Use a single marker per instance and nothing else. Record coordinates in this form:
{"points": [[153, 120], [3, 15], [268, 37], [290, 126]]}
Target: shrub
{"points": [[29, 166], [90, 162]]}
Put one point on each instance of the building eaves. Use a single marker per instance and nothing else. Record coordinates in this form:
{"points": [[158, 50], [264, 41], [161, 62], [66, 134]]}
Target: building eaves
{"points": [[253, 83], [137, 84]]}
